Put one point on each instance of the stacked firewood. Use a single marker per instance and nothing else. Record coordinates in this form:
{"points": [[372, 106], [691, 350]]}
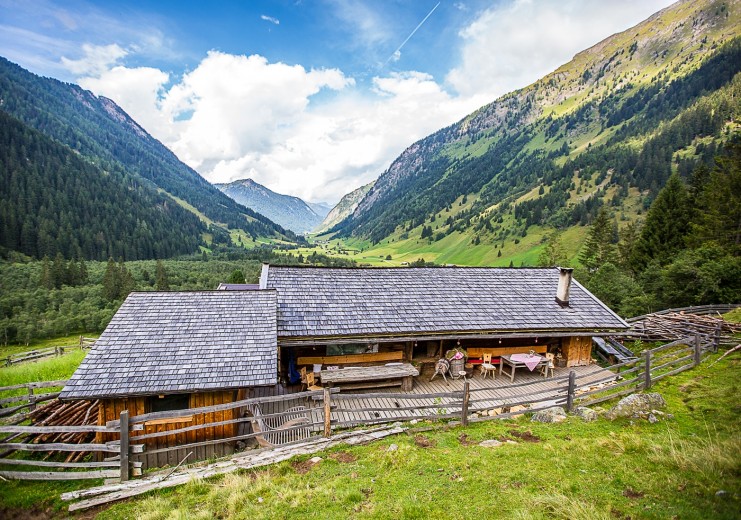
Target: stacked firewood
{"points": [[64, 413], [678, 325]]}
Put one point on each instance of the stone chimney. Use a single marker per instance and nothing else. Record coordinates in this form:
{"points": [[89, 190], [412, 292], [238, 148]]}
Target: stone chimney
{"points": [[564, 286]]}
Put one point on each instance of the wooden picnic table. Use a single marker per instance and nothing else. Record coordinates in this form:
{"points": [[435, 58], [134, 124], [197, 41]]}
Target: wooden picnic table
{"points": [[370, 377], [514, 364]]}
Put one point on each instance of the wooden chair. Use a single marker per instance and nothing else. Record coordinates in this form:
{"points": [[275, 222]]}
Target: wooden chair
{"points": [[311, 385], [291, 426], [549, 366], [487, 367]]}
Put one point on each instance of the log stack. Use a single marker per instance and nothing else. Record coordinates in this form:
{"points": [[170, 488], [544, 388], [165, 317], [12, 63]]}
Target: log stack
{"points": [[64, 413], [678, 325]]}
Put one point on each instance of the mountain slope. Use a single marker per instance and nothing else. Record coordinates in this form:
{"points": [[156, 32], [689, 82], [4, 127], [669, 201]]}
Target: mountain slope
{"points": [[52, 201], [344, 208], [290, 212], [320, 208], [100, 131], [606, 128]]}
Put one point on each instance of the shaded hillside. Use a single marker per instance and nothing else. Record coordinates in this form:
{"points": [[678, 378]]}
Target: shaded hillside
{"points": [[52, 201], [100, 131], [290, 212], [608, 127]]}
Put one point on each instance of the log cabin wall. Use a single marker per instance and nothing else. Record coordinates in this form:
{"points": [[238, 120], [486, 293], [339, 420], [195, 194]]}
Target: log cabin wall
{"points": [[110, 410]]}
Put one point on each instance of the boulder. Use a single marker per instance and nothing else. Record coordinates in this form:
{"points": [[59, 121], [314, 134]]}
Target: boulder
{"points": [[491, 443], [549, 415], [636, 405], [587, 414]]}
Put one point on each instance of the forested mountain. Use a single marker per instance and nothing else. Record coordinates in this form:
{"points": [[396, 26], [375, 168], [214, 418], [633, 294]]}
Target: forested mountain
{"points": [[53, 201], [103, 135], [606, 129], [344, 207], [290, 212]]}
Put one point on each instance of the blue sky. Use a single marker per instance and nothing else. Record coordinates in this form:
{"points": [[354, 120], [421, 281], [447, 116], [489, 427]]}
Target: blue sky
{"points": [[309, 98]]}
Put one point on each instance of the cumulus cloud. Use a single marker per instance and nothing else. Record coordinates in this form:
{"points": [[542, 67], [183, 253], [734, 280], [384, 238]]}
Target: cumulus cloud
{"points": [[513, 44], [96, 59]]}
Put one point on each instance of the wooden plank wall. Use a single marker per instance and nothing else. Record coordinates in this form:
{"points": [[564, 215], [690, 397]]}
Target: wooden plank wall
{"points": [[110, 409], [577, 350]]}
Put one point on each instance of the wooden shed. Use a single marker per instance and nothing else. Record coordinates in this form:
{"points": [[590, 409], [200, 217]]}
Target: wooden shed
{"points": [[180, 350]]}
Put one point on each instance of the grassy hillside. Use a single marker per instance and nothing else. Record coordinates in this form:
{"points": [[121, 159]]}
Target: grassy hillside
{"points": [[604, 130]]}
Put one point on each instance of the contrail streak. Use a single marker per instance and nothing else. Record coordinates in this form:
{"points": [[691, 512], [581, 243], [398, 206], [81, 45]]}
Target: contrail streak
{"points": [[397, 52]]}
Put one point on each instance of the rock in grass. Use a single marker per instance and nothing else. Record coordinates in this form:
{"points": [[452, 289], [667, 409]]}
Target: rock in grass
{"points": [[636, 405], [549, 415], [315, 460], [393, 447], [587, 414], [491, 443]]}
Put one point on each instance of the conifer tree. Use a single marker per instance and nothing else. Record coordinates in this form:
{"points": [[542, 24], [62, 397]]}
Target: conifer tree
{"points": [[553, 253], [599, 247], [111, 281], [161, 281], [666, 227]]}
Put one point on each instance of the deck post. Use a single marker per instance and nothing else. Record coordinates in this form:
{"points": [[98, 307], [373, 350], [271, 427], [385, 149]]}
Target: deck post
{"points": [[327, 414], [124, 446], [647, 374], [698, 349], [571, 392], [464, 408]]}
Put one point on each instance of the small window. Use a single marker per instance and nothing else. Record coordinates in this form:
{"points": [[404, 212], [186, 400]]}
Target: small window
{"points": [[169, 402]]}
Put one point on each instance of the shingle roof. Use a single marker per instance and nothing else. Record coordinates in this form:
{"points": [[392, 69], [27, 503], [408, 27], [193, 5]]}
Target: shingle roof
{"points": [[316, 302], [180, 342]]}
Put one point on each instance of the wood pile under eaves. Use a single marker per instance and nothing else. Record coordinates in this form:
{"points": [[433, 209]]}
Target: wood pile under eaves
{"points": [[678, 325], [62, 413]]}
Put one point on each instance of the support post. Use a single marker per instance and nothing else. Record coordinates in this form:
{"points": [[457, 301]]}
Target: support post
{"points": [[698, 349], [327, 414], [647, 374], [571, 393], [31, 399], [124, 446], [464, 408], [716, 337]]}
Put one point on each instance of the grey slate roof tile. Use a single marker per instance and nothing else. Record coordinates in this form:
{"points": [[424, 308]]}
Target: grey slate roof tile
{"points": [[317, 302], [166, 342]]}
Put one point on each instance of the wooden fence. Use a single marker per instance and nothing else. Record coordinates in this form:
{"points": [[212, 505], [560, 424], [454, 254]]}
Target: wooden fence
{"points": [[328, 410], [27, 400], [33, 355]]}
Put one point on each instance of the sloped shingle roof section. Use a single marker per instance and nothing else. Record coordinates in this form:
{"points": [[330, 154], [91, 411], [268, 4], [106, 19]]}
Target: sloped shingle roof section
{"points": [[316, 302], [181, 342]]}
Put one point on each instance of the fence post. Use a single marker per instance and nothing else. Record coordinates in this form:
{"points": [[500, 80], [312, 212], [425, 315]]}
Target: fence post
{"points": [[124, 446], [571, 392], [716, 338], [647, 363], [464, 408], [31, 399], [327, 414], [698, 349]]}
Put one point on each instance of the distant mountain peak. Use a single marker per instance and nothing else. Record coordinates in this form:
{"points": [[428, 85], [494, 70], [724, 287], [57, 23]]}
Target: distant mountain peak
{"points": [[290, 212]]}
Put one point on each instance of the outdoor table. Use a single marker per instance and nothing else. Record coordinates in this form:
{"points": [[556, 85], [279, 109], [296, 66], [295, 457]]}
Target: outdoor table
{"points": [[521, 360], [393, 373]]}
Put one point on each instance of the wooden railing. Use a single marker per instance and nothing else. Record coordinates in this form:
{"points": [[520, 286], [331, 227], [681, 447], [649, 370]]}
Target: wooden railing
{"points": [[329, 410], [28, 400], [40, 353]]}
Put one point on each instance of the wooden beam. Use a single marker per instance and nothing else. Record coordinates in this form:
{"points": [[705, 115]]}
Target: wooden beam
{"points": [[351, 358], [59, 475]]}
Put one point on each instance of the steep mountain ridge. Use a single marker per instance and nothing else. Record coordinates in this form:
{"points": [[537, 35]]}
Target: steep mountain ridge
{"points": [[596, 130], [100, 131], [344, 208], [290, 212]]}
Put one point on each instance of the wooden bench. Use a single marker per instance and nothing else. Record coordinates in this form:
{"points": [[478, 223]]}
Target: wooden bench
{"points": [[371, 377]]}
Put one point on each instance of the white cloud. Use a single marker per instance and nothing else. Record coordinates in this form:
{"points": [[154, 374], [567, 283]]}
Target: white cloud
{"points": [[270, 19], [96, 60], [513, 44]]}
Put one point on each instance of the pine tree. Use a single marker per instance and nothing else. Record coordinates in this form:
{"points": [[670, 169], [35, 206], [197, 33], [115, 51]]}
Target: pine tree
{"points": [[161, 281], [237, 276], [46, 281], [126, 281], [58, 271], [599, 247], [666, 227], [111, 281]]}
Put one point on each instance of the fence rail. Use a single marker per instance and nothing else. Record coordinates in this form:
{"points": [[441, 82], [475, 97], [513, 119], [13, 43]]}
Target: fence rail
{"points": [[40, 353], [329, 410]]}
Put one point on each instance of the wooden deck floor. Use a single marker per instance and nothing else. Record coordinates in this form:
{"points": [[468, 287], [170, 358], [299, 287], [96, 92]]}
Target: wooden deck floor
{"points": [[367, 406]]}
